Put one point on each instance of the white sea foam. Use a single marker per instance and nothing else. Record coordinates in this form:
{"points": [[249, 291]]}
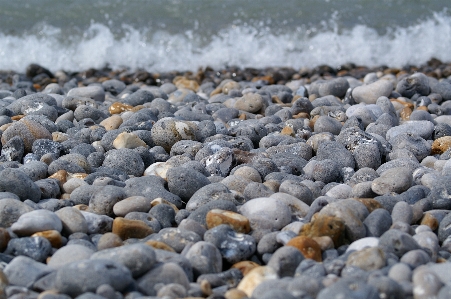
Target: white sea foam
{"points": [[243, 46]]}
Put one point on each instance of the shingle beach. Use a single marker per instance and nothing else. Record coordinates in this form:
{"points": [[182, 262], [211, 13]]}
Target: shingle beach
{"points": [[236, 183]]}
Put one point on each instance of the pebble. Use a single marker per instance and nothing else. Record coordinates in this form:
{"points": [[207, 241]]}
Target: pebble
{"points": [[234, 247], [36, 221], [138, 258], [24, 271], [368, 259], [16, 181], [205, 258], [266, 213], [370, 93], [392, 180], [69, 278], [68, 254]]}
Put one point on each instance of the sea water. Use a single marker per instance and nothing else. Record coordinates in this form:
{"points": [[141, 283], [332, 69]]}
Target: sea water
{"points": [[165, 35]]}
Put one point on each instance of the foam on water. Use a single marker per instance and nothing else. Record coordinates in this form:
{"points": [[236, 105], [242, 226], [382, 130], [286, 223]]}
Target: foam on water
{"points": [[240, 45]]}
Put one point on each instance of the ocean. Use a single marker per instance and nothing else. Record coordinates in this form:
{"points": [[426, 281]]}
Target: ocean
{"points": [[166, 35]]}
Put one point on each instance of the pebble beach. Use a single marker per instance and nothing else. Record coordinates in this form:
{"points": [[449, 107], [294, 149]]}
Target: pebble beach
{"points": [[226, 183]]}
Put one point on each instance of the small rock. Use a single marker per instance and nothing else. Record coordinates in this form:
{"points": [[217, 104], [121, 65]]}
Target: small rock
{"points": [[126, 228], [309, 248], [36, 221], [70, 278], [368, 259]]}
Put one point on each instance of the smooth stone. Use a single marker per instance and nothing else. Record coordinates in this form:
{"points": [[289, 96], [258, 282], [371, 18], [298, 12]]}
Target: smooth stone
{"points": [[16, 181], [415, 258], [402, 212], [71, 278], [128, 140], [24, 271], [185, 182], [36, 221], [266, 213], [237, 221], [370, 93], [400, 272], [176, 238], [95, 92], [429, 241], [349, 288], [426, 283], [138, 258], [368, 259], [396, 179], [230, 278], [397, 242], [126, 160], [324, 225], [162, 274], [11, 209], [29, 130], [309, 248], [422, 128], [205, 258], [37, 248], [233, 246], [255, 277], [151, 187], [68, 254], [126, 228], [378, 222], [285, 260], [208, 194], [72, 220], [354, 227], [103, 201], [132, 204], [97, 224]]}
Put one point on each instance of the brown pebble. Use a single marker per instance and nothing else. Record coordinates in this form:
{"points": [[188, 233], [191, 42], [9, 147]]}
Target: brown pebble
{"points": [[405, 113], [235, 294], [255, 277], [182, 82], [59, 137], [324, 225], [309, 248], [52, 235], [127, 228], [109, 240], [441, 145], [4, 238], [117, 108], [128, 140], [424, 108], [245, 266], [111, 123], [288, 130], [370, 203], [60, 176], [159, 245], [5, 126], [237, 221], [429, 220]]}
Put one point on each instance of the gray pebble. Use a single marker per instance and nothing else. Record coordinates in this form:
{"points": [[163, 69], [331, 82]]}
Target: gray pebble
{"points": [[233, 246], [17, 182], [71, 280], [68, 254], [138, 258], [24, 271]]}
